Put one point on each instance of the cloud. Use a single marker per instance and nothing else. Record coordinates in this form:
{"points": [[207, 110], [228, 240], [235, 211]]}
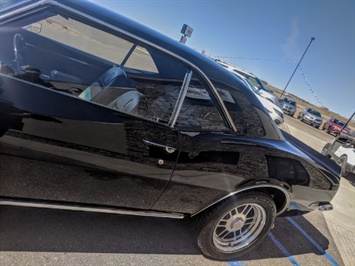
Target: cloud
{"points": [[290, 47]]}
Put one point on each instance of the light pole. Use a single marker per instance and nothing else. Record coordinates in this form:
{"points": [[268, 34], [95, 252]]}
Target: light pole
{"points": [[312, 39]]}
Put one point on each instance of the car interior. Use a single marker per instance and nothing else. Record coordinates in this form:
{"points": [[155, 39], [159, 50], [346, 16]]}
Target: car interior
{"points": [[32, 54]]}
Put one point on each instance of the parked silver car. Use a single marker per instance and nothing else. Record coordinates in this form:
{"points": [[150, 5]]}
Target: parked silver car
{"points": [[289, 107], [310, 116]]}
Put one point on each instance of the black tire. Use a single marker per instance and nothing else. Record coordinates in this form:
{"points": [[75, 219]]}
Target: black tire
{"points": [[342, 161], [325, 150], [217, 228], [328, 131]]}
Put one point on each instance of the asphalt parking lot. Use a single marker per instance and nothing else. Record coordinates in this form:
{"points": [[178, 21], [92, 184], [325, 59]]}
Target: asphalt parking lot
{"points": [[51, 237]]}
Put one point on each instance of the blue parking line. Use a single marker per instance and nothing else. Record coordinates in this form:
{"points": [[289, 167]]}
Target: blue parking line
{"points": [[283, 249], [293, 204], [330, 258], [236, 263]]}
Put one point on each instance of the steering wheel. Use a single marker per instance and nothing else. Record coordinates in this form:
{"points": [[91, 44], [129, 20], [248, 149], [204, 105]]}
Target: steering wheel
{"points": [[20, 52]]}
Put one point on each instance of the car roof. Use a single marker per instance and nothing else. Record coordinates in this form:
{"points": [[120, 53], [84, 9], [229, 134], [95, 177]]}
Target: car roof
{"points": [[208, 66], [105, 16]]}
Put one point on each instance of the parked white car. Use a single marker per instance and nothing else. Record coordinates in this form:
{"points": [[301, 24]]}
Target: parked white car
{"points": [[256, 82], [342, 150], [274, 111]]}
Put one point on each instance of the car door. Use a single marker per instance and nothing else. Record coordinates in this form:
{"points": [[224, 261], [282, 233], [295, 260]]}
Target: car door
{"points": [[108, 143], [214, 160], [62, 148]]}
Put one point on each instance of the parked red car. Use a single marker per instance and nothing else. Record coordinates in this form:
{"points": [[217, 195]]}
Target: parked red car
{"points": [[334, 126]]}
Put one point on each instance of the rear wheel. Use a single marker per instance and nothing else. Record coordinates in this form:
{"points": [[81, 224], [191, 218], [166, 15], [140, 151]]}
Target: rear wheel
{"points": [[236, 225]]}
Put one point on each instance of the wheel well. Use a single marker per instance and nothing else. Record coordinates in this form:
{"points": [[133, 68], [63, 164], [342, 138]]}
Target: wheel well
{"points": [[344, 156], [279, 195]]}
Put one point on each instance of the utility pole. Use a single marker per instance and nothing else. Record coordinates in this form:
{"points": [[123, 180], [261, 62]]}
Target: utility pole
{"points": [[299, 62]]}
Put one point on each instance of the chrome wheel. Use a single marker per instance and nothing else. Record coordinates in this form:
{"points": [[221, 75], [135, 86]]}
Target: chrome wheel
{"points": [[236, 225], [239, 227]]}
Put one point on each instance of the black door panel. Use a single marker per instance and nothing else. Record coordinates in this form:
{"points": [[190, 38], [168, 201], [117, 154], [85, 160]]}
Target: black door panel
{"points": [[86, 153]]}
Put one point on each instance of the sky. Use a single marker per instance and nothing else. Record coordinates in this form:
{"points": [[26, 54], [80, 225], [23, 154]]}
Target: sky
{"points": [[267, 38]]}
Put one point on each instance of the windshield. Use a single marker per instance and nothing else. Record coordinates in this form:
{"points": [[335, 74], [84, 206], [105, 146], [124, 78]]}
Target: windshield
{"points": [[314, 112], [254, 89], [263, 86], [290, 102], [338, 122]]}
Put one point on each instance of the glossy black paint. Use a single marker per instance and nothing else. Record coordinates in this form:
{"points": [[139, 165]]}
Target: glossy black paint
{"points": [[59, 148]]}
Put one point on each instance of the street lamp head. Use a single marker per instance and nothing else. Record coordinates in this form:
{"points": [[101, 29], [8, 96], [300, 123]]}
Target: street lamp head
{"points": [[313, 38]]}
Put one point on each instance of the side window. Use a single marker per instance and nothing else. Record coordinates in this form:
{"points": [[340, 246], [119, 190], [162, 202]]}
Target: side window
{"points": [[74, 55], [84, 59], [198, 111], [140, 59], [241, 111], [83, 37]]}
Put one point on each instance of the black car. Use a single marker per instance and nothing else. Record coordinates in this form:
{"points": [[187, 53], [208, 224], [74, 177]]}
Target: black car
{"points": [[99, 113]]}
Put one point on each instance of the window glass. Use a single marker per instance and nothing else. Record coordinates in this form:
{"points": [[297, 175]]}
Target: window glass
{"points": [[253, 81], [73, 55], [83, 37], [198, 111], [314, 112], [242, 112], [140, 59]]}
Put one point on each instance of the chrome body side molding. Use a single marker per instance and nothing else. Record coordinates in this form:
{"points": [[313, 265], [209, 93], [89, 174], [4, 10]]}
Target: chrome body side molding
{"points": [[73, 207]]}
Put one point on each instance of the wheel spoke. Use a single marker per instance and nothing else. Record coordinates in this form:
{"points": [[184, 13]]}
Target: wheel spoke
{"points": [[246, 210], [227, 217], [249, 220], [239, 227], [224, 231]]}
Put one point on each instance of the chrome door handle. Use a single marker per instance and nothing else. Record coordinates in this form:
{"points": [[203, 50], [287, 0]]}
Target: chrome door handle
{"points": [[168, 149]]}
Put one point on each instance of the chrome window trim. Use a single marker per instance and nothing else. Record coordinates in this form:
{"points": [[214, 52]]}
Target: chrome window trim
{"points": [[23, 9], [212, 87], [282, 189], [33, 204], [181, 98]]}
